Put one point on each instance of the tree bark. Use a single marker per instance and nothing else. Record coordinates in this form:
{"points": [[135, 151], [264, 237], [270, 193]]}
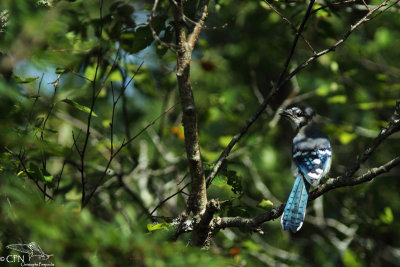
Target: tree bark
{"points": [[185, 45]]}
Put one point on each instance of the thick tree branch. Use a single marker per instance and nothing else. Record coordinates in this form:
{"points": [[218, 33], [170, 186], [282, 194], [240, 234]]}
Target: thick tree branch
{"points": [[331, 183], [202, 231], [342, 181], [185, 45], [248, 223]]}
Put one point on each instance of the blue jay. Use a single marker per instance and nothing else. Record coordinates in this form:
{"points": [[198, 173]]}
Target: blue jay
{"points": [[311, 152]]}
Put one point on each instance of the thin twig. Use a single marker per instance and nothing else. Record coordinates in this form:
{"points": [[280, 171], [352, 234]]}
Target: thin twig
{"points": [[295, 41], [168, 198], [36, 99], [89, 119], [27, 173], [79, 75], [347, 2], [154, 33], [112, 156], [291, 25], [134, 196], [63, 166], [125, 143]]}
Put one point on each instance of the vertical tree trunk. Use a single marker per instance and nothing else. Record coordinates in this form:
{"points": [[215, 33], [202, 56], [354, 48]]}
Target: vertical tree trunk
{"points": [[185, 45]]}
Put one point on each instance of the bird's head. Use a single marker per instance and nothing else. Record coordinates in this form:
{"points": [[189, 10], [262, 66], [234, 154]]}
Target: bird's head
{"points": [[298, 116]]}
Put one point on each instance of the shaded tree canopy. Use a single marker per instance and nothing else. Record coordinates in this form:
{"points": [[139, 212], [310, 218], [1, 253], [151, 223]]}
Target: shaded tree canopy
{"points": [[135, 132]]}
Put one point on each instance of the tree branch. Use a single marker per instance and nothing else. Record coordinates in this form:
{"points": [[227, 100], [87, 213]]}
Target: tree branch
{"points": [[202, 231], [290, 24], [331, 183], [342, 181], [185, 46], [154, 33]]}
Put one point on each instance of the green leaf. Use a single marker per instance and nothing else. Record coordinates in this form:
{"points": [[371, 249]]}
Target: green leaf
{"points": [[377, 104], [337, 99], [350, 259], [167, 38], [322, 13], [224, 140], [265, 204], [264, 5], [252, 246], [387, 216], [235, 181], [78, 106], [18, 79], [325, 89], [383, 37], [220, 180], [35, 172], [159, 226], [48, 178], [61, 70], [136, 41], [41, 130], [346, 137], [334, 66], [38, 174]]}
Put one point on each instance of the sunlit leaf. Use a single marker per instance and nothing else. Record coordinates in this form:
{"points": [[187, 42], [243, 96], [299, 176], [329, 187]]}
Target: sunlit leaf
{"points": [[48, 178], [377, 104], [265, 204], [78, 106], [350, 259], [387, 216], [346, 137], [334, 67], [61, 70], [224, 140], [383, 37], [220, 181], [178, 131], [35, 172], [337, 99], [18, 79], [159, 226], [321, 13], [235, 181], [264, 5]]}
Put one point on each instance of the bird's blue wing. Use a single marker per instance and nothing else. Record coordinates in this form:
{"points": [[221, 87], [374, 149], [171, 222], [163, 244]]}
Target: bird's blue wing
{"points": [[313, 164]]}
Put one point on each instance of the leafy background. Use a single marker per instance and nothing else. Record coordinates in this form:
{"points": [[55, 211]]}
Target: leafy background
{"points": [[49, 50]]}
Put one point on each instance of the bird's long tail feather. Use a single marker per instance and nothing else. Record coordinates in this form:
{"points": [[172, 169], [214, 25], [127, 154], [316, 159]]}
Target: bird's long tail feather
{"points": [[293, 215]]}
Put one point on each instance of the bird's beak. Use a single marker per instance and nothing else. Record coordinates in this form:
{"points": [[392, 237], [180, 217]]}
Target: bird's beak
{"points": [[284, 113]]}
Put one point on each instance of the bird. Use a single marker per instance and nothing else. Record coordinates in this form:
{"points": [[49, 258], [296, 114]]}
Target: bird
{"points": [[312, 158], [32, 249]]}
